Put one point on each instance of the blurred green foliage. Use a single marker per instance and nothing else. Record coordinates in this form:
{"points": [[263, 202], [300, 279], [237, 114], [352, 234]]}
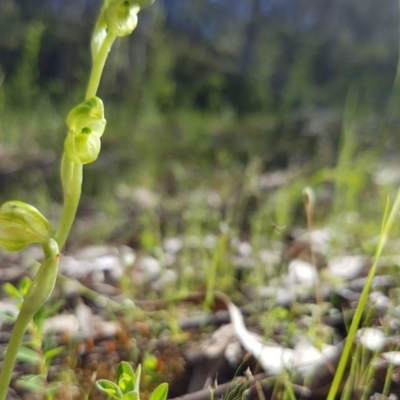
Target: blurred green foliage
{"points": [[202, 87]]}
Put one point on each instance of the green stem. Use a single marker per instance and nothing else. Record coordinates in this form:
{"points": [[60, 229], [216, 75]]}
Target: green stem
{"points": [[39, 291], [71, 177], [98, 65], [71, 173], [17, 336]]}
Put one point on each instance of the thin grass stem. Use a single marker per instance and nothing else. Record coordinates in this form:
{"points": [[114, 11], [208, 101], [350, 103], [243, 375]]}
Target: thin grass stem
{"points": [[388, 220]]}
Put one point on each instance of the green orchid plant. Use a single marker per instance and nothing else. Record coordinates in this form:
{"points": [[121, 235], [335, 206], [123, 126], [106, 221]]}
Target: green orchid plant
{"points": [[21, 224]]}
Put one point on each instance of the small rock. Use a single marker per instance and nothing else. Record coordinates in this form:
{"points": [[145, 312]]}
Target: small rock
{"points": [[173, 245], [393, 357], [372, 338], [302, 272], [346, 267]]}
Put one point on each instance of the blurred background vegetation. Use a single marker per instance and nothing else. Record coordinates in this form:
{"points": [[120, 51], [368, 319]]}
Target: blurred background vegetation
{"points": [[205, 94]]}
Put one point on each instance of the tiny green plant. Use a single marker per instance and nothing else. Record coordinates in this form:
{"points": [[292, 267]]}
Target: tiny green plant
{"points": [[128, 385], [21, 224]]}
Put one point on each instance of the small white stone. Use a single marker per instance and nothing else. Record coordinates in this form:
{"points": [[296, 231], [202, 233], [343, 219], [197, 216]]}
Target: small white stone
{"points": [[346, 267], [372, 338], [150, 266], [214, 200], [173, 245], [233, 353], [210, 242], [168, 259], [127, 255], [381, 301], [64, 323], [192, 242], [319, 240], [302, 272], [245, 249], [269, 257], [392, 356]]}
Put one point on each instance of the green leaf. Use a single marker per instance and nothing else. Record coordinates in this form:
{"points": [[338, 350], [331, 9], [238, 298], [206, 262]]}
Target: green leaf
{"points": [[131, 396], [24, 285], [54, 308], [125, 368], [12, 291], [51, 353], [39, 318], [160, 393], [33, 383], [29, 356], [110, 388], [8, 316], [136, 378], [125, 377], [52, 388]]}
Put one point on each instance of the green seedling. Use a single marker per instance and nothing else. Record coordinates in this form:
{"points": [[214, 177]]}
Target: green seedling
{"points": [[127, 386], [21, 224]]}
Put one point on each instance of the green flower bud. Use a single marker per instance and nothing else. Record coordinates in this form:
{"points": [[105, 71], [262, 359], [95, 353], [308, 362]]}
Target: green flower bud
{"points": [[121, 17], [86, 125], [87, 115], [82, 148], [21, 225]]}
